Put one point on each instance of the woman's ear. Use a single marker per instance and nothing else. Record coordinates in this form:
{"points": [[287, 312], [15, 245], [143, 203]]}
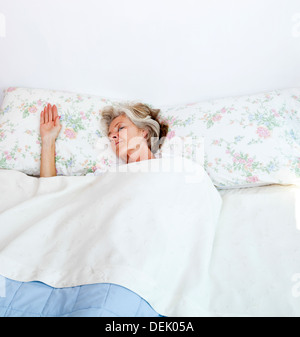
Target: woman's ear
{"points": [[145, 133]]}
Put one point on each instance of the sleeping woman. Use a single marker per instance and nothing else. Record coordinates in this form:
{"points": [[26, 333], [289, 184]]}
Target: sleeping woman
{"points": [[134, 132]]}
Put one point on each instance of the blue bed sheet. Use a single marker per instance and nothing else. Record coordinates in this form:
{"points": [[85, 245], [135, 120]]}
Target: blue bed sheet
{"points": [[36, 299]]}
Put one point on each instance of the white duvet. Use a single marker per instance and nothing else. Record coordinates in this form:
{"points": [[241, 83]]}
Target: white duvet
{"points": [[148, 226], [255, 265]]}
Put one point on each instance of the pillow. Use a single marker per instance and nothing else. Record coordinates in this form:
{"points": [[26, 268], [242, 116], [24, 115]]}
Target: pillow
{"points": [[248, 140], [79, 146], [241, 141]]}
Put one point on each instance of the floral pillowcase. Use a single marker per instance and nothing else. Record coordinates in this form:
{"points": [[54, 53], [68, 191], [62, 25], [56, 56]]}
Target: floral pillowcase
{"points": [[248, 140], [79, 147], [241, 141]]}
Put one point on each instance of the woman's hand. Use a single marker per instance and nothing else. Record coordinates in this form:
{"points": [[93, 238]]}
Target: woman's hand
{"points": [[49, 129], [49, 123]]}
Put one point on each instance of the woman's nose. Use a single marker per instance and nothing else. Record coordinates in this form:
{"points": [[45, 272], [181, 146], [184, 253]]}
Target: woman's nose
{"points": [[114, 136]]}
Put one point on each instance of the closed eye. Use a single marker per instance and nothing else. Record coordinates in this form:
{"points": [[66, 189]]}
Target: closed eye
{"points": [[122, 127]]}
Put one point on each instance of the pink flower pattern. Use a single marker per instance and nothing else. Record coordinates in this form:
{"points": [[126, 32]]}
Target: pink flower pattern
{"points": [[263, 132], [70, 133], [234, 132]]}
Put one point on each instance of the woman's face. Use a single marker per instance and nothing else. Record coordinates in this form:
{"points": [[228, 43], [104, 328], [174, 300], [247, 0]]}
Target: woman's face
{"points": [[125, 137]]}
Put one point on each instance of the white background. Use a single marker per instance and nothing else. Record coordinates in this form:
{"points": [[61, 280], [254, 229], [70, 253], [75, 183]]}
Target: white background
{"points": [[158, 51]]}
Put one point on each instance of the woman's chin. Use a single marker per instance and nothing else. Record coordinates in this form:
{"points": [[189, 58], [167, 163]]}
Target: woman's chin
{"points": [[122, 155]]}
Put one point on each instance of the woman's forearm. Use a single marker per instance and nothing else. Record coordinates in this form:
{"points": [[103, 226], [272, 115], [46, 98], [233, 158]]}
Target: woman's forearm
{"points": [[48, 168]]}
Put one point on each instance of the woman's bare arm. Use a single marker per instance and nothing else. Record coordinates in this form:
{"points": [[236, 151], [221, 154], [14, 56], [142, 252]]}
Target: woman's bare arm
{"points": [[48, 168], [49, 129]]}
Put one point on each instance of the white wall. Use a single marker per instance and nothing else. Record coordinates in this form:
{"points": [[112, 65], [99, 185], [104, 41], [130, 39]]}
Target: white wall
{"points": [[159, 51]]}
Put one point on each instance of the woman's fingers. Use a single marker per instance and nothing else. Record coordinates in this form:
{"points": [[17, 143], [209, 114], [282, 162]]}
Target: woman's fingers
{"points": [[46, 114], [49, 114], [42, 117], [54, 112]]}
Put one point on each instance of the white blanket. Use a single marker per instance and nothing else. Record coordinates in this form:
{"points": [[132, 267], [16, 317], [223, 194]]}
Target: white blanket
{"points": [[255, 265], [148, 226]]}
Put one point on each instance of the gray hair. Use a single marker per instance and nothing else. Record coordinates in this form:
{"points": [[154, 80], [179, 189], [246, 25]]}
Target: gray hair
{"points": [[142, 116]]}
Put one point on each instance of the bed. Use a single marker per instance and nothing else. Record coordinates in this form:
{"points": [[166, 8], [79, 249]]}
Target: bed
{"points": [[216, 234]]}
